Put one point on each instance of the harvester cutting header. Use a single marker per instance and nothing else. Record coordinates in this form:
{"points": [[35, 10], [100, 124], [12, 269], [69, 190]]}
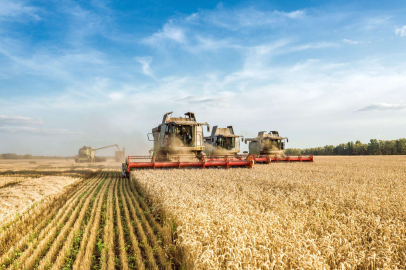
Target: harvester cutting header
{"points": [[179, 143]]}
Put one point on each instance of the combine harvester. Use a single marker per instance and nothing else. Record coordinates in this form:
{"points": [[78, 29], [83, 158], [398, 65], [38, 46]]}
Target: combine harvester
{"points": [[265, 148], [178, 143], [87, 154], [270, 147], [223, 141]]}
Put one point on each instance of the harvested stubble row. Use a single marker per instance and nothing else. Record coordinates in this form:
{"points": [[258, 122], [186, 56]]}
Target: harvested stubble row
{"points": [[338, 213], [95, 224]]}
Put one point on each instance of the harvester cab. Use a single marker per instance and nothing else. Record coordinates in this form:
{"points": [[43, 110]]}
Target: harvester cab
{"points": [[267, 144], [222, 141], [178, 136]]}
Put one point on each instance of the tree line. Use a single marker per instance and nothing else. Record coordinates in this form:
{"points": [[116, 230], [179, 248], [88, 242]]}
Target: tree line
{"points": [[28, 156], [374, 147]]}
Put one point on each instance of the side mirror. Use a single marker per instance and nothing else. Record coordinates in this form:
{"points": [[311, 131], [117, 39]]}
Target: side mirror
{"points": [[242, 139], [245, 141], [149, 139], [208, 127], [287, 140]]}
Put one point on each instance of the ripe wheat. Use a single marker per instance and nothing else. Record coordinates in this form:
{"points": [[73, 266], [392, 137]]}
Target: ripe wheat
{"points": [[337, 213]]}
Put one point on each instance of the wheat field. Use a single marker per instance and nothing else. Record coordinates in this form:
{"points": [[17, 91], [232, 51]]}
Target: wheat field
{"points": [[97, 223], [336, 213]]}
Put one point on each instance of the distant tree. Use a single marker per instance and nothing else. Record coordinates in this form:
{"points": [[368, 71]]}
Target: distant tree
{"points": [[387, 147], [359, 148], [350, 148], [329, 150], [293, 151], [10, 156], [401, 147], [373, 147], [340, 149]]}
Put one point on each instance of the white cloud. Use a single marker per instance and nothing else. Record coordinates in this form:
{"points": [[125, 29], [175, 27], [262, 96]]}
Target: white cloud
{"points": [[207, 43], [146, 62], [59, 64], [352, 42], [371, 23], [383, 107], [19, 120], [401, 31], [168, 32], [37, 131], [192, 17], [206, 101], [14, 10], [116, 96], [250, 17], [239, 19], [295, 14], [317, 45]]}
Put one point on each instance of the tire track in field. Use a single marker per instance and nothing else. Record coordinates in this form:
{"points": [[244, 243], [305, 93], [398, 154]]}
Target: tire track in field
{"points": [[100, 223]]}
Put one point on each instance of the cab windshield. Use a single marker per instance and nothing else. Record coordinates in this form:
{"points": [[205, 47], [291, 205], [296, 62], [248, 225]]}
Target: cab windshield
{"points": [[272, 144], [181, 135], [226, 142]]}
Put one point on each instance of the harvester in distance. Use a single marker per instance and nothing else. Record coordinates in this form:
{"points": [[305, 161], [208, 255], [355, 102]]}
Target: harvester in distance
{"points": [[178, 143], [267, 147], [222, 141], [87, 154]]}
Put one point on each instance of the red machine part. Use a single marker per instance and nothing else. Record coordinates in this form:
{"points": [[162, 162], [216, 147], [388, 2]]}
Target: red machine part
{"points": [[143, 162], [210, 162], [267, 159]]}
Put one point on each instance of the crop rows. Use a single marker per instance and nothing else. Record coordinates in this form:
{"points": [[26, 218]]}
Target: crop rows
{"points": [[98, 223]]}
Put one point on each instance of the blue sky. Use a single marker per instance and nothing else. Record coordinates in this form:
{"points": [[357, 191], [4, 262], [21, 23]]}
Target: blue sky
{"points": [[76, 73]]}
